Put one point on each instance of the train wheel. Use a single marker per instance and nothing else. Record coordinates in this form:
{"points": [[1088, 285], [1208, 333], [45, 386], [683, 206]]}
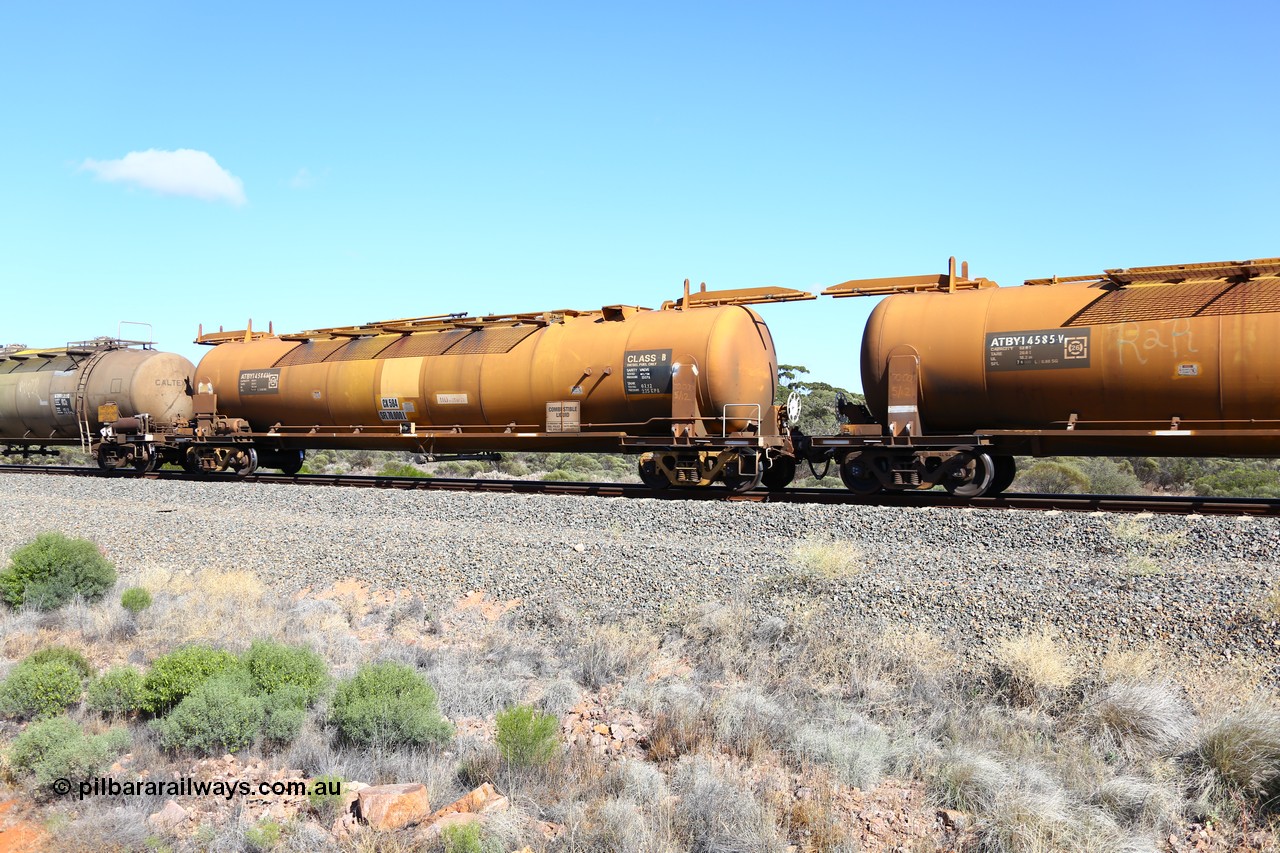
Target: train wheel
{"points": [[191, 463], [146, 464], [735, 480], [857, 475], [1006, 470], [242, 463], [979, 483], [294, 464], [779, 474], [112, 458], [651, 475]]}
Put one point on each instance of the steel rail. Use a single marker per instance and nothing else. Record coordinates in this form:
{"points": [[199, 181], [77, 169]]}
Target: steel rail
{"points": [[1166, 504]]}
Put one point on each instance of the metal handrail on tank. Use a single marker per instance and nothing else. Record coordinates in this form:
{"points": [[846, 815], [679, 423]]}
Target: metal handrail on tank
{"points": [[758, 420]]}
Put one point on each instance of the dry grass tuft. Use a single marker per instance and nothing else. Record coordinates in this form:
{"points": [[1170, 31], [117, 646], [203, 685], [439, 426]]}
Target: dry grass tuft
{"points": [[612, 653], [970, 781], [679, 724], [1123, 662], [856, 752], [1238, 755], [812, 823], [1135, 718], [227, 609], [717, 811], [1135, 801], [748, 722], [615, 825], [827, 559], [1033, 668]]}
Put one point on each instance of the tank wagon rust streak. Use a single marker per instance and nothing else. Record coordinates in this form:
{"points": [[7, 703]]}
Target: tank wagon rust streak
{"points": [[960, 375], [689, 386]]}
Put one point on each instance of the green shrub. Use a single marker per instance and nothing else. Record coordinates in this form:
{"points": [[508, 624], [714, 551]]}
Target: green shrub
{"points": [[462, 838], [527, 736], [263, 837], [1050, 476], [40, 689], [65, 654], [176, 674], [53, 568], [388, 704], [220, 715], [275, 665], [135, 599], [401, 469], [1240, 481], [326, 795], [286, 712], [59, 749], [561, 475], [117, 691]]}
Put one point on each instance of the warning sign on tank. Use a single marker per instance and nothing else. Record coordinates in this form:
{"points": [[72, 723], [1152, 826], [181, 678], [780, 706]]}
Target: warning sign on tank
{"points": [[647, 371], [260, 381], [564, 416], [62, 404], [1040, 349]]}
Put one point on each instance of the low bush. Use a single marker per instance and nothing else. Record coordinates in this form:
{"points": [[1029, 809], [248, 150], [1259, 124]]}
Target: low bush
{"points": [[65, 654], [52, 569], [526, 736], [748, 721], [286, 712], [1049, 476], [717, 811], [135, 599], [273, 666], [387, 704], [59, 749], [117, 691], [40, 689], [462, 838], [263, 836], [220, 715], [401, 469], [177, 674], [326, 796]]}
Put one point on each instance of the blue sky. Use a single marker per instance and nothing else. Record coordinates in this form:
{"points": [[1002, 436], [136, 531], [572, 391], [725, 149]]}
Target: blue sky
{"points": [[346, 164]]}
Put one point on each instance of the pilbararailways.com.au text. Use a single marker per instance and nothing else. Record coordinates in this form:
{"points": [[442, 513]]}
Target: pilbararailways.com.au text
{"points": [[188, 787]]}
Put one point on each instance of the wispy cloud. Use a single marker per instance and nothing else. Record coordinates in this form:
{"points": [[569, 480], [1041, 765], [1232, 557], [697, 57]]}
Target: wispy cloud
{"points": [[184, 172], [303, 180]]}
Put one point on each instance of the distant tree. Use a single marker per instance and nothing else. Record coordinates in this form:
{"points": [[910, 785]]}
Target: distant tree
{"points": [[818, 414]]}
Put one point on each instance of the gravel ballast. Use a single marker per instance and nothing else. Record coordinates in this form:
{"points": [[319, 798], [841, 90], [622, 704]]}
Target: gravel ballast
{"points": [[1197, 585]]}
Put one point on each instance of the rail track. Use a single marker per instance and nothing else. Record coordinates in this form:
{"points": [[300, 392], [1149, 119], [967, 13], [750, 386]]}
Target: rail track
{"points": [[1065, 503]]}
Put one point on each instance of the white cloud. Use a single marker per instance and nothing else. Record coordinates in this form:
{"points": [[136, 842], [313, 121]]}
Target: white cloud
{"points": [[303, 180], [184, 172]]}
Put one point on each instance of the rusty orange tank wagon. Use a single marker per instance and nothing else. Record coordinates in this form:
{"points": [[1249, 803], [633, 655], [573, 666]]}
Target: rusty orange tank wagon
{"points": [[690, 387], [960, 374]]}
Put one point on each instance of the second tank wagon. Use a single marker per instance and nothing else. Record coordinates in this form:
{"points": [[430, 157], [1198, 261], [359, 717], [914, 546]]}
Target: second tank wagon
{"points": [[690, 386]]}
